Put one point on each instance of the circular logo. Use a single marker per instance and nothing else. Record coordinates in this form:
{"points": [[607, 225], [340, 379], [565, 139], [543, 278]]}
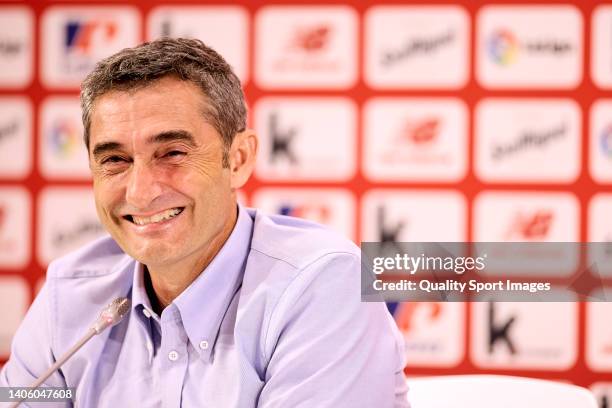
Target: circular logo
{"points": [[65, 137], [503, 47], [605, 140]]}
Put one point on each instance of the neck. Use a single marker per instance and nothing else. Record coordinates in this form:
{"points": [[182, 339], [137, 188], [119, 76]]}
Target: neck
{"points": [[165, 283]]}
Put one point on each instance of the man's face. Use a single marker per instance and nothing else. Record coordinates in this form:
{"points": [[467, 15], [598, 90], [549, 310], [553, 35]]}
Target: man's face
{"points": [[160, 188]]}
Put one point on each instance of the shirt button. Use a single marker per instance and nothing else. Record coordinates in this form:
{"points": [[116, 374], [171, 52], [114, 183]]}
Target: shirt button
{"points": [[146, 313], [173, 355], [204, 345]]}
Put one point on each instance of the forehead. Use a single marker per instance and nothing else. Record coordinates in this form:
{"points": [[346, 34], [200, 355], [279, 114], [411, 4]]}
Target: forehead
{"points": [[167, 103]]}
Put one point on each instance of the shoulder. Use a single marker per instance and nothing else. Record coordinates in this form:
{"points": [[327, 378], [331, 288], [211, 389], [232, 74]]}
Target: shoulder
{"points": [[97, 258], [297, 242], [294, 260], [80, 283]]}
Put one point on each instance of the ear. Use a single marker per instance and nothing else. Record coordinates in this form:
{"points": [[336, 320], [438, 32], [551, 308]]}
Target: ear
{"points": [[242, 156]]}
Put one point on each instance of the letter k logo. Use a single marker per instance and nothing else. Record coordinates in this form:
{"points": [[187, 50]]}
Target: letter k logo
{"points": [[498, 333], [281, 142]]}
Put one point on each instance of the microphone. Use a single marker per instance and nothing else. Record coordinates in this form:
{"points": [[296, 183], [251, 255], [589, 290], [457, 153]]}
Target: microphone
{"points": [[112, 314], [109, 316]]}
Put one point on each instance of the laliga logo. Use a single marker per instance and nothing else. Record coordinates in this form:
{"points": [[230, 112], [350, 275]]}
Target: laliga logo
{"points": [[82, 36], [503, 47], [313, 39], [65, 137], [605, 140]]}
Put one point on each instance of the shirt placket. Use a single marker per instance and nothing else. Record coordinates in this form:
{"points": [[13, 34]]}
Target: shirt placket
{"points": [[174, 357]]}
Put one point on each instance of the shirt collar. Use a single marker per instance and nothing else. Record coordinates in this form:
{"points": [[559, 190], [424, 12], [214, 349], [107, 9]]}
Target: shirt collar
{"points": [[140, 299], [203, 304]]}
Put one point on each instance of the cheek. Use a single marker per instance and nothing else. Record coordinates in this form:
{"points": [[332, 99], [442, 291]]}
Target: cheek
{"points": [[106, 197]]}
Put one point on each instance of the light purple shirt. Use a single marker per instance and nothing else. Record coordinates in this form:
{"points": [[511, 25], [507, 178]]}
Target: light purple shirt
{"points": [[275, 320]]}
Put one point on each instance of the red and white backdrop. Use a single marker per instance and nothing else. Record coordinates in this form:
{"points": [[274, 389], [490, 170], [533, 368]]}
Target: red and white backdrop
{"points": [[472, 121]]}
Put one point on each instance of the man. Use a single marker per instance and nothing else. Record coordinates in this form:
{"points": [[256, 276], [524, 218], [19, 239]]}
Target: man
{"points": [[230, 307]]}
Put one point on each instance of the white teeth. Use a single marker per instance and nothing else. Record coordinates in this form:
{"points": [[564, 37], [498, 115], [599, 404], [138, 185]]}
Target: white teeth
{"points": [[164, 215]]}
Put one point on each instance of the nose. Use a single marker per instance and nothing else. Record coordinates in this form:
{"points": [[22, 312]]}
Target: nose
{"points": [[143, 187]]}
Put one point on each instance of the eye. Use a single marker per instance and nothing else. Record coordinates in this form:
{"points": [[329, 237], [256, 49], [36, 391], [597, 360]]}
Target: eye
{"points": [[113, 159], [174, 153]]}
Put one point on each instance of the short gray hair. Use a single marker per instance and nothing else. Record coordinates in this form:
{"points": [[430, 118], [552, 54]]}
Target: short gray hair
{"points": [[187, 59]]}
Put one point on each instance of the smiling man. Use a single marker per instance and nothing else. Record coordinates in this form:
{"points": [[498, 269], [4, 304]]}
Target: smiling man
{"points": [[230, 307]]}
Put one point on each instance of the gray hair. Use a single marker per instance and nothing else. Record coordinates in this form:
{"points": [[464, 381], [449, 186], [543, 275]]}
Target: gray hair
{"points": [[188, 60]]}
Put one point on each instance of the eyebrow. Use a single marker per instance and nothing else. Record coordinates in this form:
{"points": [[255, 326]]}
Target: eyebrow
{"points": [[172, 136], [163, 137]]}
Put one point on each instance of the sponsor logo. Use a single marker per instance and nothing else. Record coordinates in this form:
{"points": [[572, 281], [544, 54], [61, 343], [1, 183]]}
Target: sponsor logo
{"points": [[15, 136], [509, 340], [601, 46], [391, 216], [529, 140], [433, 332], [406, 319], [308, 51], [14, 227], [531, 227], [7, 244], [75, 38], [423, 132], [62, 152], [281, 141], [166, 29], [415, 139], [418, 46], [522, 335], [11, 47], [293, 132], [80, 37], [306, 46], [14, 302], [83, 39], [404, 314], [605, 140], [332, 207], [412, 46], [416, 143], [514, 137], [600, 149], [388, 235], [60, 235], [67, 238], [314, 212], [9, 129], [16, 37], [500, 333], [64, 138], [312, 39], [209, 24], [503, 47]]}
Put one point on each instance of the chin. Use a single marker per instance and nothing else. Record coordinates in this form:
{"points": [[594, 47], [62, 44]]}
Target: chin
{"points": [[155, 254]]}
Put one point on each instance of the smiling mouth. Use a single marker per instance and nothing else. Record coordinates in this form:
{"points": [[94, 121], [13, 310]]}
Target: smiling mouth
{"points": [[156, 218]]}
